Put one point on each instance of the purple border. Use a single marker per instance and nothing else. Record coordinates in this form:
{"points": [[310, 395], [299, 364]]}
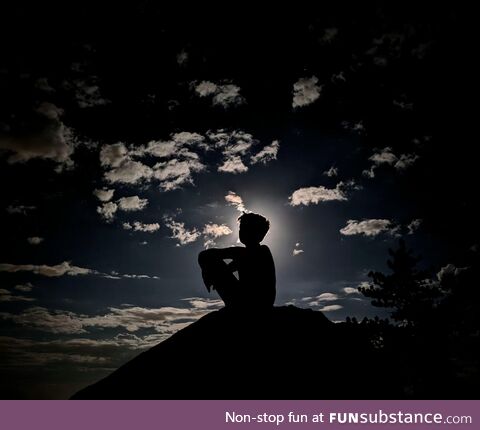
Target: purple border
{"points": [[210, 414]]}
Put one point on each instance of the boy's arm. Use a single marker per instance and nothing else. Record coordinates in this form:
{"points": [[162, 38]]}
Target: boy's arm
{"points": [[230, 253]]}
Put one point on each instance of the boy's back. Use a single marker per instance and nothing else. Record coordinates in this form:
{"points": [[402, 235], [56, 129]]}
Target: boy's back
{"points": [[256, 273]]}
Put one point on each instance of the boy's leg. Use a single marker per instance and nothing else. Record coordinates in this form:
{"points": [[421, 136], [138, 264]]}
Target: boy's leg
{"points": [[215, 273]]}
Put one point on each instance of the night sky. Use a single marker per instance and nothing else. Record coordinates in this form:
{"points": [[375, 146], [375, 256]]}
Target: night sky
{"points": [[133, 137]]}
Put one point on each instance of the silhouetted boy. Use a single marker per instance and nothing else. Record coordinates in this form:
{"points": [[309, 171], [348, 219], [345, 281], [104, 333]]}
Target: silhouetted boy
{"points": [[255, 286]]}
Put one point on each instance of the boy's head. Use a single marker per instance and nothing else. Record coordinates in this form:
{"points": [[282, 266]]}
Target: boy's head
{"points": [[253, 228]]}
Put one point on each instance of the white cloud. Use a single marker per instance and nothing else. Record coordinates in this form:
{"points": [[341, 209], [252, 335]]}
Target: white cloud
{"points": [[414, 225], [164, 320], [355, 126], [333, 171], [331, 308], [369, 227], [233, 165], [329, 34], [268, 153], [305, 91], [107, 211], [224, 95], [182, 58], [129, 172], [7, 296], [61, 269], [87, 92], [337, 77], [351, 290], [132, 203], [449, 271], [213, 231], [216, 230], [188, 138], [25, 288], [104, 194], [405, 161], [297, 251], [206, 88], [228, 95], [50, 111], [138, 226], [35, 240], [55, 142], [179, 232], [113, 155], [21, 209], [315, 195], [233, 199], [386, 156], [174, 173]]}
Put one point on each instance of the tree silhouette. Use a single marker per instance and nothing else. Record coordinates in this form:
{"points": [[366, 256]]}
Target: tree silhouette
{"points": [[409, 292]]}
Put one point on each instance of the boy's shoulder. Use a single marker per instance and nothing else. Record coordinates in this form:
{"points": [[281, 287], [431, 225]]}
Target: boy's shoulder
{"points": [[265, 248]]}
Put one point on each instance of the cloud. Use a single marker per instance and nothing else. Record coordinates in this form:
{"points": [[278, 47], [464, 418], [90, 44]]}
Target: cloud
{"points": [[355, 126], [181, 157], [213, 231], [132, 203], [331, 308], [314, 195], [297, 251], [450, 271], [206, 88], [329, 34], [43, 85], [332, 172], [164, 320], [233, 145], [351, 290], [305, 91], [138, 226], [25, 288], [233, 165], [233, 199], [386, 156], [216, 230], [104, 194], [35, 240], [182, 58], [318, 302], [50, 111], [369, 227], [113, 155], [7, 296], [228, 95], [179, 232], [61, 269], [224, 95], [337, 77], [107, 211], [87, 92], [174, 173], [414, 225], [268, 153], [129, 172], [21, 209], [53, 141]]}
